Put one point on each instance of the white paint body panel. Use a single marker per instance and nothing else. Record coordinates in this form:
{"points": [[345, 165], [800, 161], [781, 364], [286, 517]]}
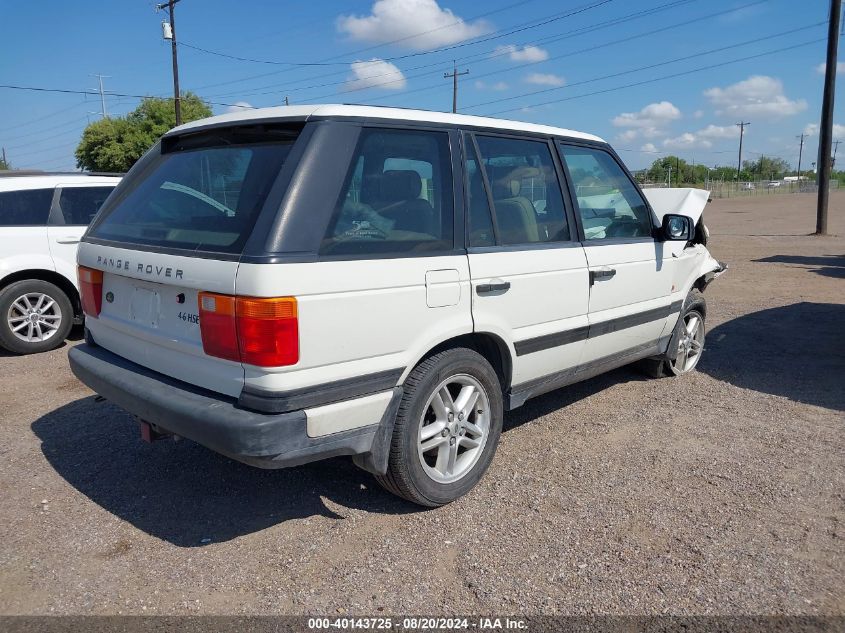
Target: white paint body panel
{"points": [[549, 293], [682, 201], [360, 317]]}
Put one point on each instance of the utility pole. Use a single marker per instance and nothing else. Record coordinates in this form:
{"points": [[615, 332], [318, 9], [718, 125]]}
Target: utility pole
{"points": [[826, 127], [800, 153], [669, 186], [102, 95], [176, 98], [5, 164], [835, 147], [454, 77], [741, 126], [287, 103]]}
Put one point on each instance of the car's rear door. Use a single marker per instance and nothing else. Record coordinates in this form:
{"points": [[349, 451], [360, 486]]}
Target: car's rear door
{"points": [[23, 229], [528, 269], [630, 276]]}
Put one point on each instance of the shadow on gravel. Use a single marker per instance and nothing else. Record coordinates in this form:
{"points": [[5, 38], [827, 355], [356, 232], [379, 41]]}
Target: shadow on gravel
{"points": [[796, 351], [827, 265], [183, 493]]}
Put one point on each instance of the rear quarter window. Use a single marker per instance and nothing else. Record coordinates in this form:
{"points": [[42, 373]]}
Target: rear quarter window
{"points": [[27, 207], [79, 205], [202, 193]]}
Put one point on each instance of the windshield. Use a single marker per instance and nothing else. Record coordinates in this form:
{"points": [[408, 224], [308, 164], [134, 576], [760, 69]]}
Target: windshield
{"points": [[201, 193]]}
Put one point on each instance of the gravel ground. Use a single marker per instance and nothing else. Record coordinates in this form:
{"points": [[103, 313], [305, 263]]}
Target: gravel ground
{"points": [[722, 492]]}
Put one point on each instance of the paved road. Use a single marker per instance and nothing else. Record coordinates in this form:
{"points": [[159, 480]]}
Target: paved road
{"points": [[718, 493]]}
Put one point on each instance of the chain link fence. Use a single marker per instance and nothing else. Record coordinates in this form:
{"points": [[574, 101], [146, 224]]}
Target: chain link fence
{"points": [[733, 189]]}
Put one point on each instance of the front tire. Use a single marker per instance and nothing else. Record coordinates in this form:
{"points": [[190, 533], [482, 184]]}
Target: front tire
{"points": [[447, 428], [35, 316], [690, 342]]}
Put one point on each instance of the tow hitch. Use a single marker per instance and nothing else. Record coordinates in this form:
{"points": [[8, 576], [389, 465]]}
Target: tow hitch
{"points": [[151, 432]]}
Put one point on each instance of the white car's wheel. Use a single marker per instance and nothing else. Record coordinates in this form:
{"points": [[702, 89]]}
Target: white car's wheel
{"points": [[35, 316], [447, 428]]}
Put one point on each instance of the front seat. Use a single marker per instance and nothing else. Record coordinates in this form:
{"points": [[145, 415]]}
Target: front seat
{"points": [[399, 201], [515, 214]]}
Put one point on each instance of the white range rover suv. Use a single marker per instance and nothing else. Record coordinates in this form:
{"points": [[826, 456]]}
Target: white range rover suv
{"points": [[290, 284], [42, 218]]}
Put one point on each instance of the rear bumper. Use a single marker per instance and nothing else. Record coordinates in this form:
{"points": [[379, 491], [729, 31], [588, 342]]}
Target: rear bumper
{"points": [[217, 422]]}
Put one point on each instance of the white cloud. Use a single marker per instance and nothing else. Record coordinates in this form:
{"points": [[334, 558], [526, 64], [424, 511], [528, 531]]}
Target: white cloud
{"points": [[417, 24], [687, 140], [654, 115], [698, 114], [719, 131], [648, 123], [545, 79], [840, 68], [238, 106], [812, 129], [498, 86], [525, 54], [649, 147], [758, 96], [375, 73]]}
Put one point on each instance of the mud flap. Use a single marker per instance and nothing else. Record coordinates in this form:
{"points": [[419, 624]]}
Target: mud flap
{"points": [[375, 461]]}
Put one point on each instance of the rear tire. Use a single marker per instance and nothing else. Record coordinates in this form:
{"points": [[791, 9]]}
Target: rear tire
{"points": [[447, 428], [35, 316]]}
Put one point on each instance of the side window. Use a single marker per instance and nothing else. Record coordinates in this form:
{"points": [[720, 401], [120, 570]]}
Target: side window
{"points": [[397, 196], [29, 207], [609, 204], [525, 189], [79, 205]]}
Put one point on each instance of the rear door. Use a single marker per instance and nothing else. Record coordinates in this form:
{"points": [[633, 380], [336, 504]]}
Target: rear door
{"points": [[74, 206], [529, 272], [630, 280]]}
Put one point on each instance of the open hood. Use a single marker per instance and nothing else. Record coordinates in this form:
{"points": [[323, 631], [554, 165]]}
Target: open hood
{"points": [[683, 201]]}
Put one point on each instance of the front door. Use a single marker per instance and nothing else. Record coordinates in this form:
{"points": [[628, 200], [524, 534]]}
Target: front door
{"points": [[528, 270], [630, 279]]}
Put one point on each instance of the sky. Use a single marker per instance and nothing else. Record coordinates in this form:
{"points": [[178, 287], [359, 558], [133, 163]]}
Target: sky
{"points": [[652, 77]]}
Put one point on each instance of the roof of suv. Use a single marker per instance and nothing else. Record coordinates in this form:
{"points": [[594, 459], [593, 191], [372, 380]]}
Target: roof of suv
{"points": [[11, 181], [306, 112]]}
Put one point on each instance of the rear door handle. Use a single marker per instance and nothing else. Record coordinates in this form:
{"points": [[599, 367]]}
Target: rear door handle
{"points": [[486, 289], [601, 274]]}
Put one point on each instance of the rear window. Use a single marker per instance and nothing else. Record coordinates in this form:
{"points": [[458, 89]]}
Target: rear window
{"points": [[204, 192], [29, 207], [79, 205]]}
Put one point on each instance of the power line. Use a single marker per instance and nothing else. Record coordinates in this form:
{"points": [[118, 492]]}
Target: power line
{"points": [[91, 92], [649, 66], [662, 78], [556, 57]]}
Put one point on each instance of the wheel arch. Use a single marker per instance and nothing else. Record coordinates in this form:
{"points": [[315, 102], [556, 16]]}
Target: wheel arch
{"points": [[50, 276], [492, 347]]}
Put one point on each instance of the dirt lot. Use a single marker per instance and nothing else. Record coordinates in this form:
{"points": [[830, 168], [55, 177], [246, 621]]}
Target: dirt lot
{"points": [[722, 492]]}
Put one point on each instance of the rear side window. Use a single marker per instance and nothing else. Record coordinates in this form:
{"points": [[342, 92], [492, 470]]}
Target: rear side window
{"points": [[79, 205], [397, 196], [527, 198], [608, 202], [29, 207], [204, 192]]}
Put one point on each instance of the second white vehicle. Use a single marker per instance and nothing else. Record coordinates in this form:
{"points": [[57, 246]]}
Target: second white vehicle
{"points": [[42, 219], [291, 284]]}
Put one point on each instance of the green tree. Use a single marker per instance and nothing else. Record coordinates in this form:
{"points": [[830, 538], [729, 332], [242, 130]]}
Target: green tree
{"points": [[115, 144], [4, 164], [765, 168]]}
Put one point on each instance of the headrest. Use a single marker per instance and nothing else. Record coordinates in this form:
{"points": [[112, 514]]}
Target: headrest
{"points": [[503, 183], [400, 184]]}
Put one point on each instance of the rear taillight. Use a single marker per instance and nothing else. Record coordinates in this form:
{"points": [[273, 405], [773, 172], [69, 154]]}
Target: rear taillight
{"points": [[91, 289], [253, 330]]}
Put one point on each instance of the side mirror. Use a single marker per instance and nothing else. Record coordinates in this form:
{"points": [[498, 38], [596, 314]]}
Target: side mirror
{"points": [[677, 228]]}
